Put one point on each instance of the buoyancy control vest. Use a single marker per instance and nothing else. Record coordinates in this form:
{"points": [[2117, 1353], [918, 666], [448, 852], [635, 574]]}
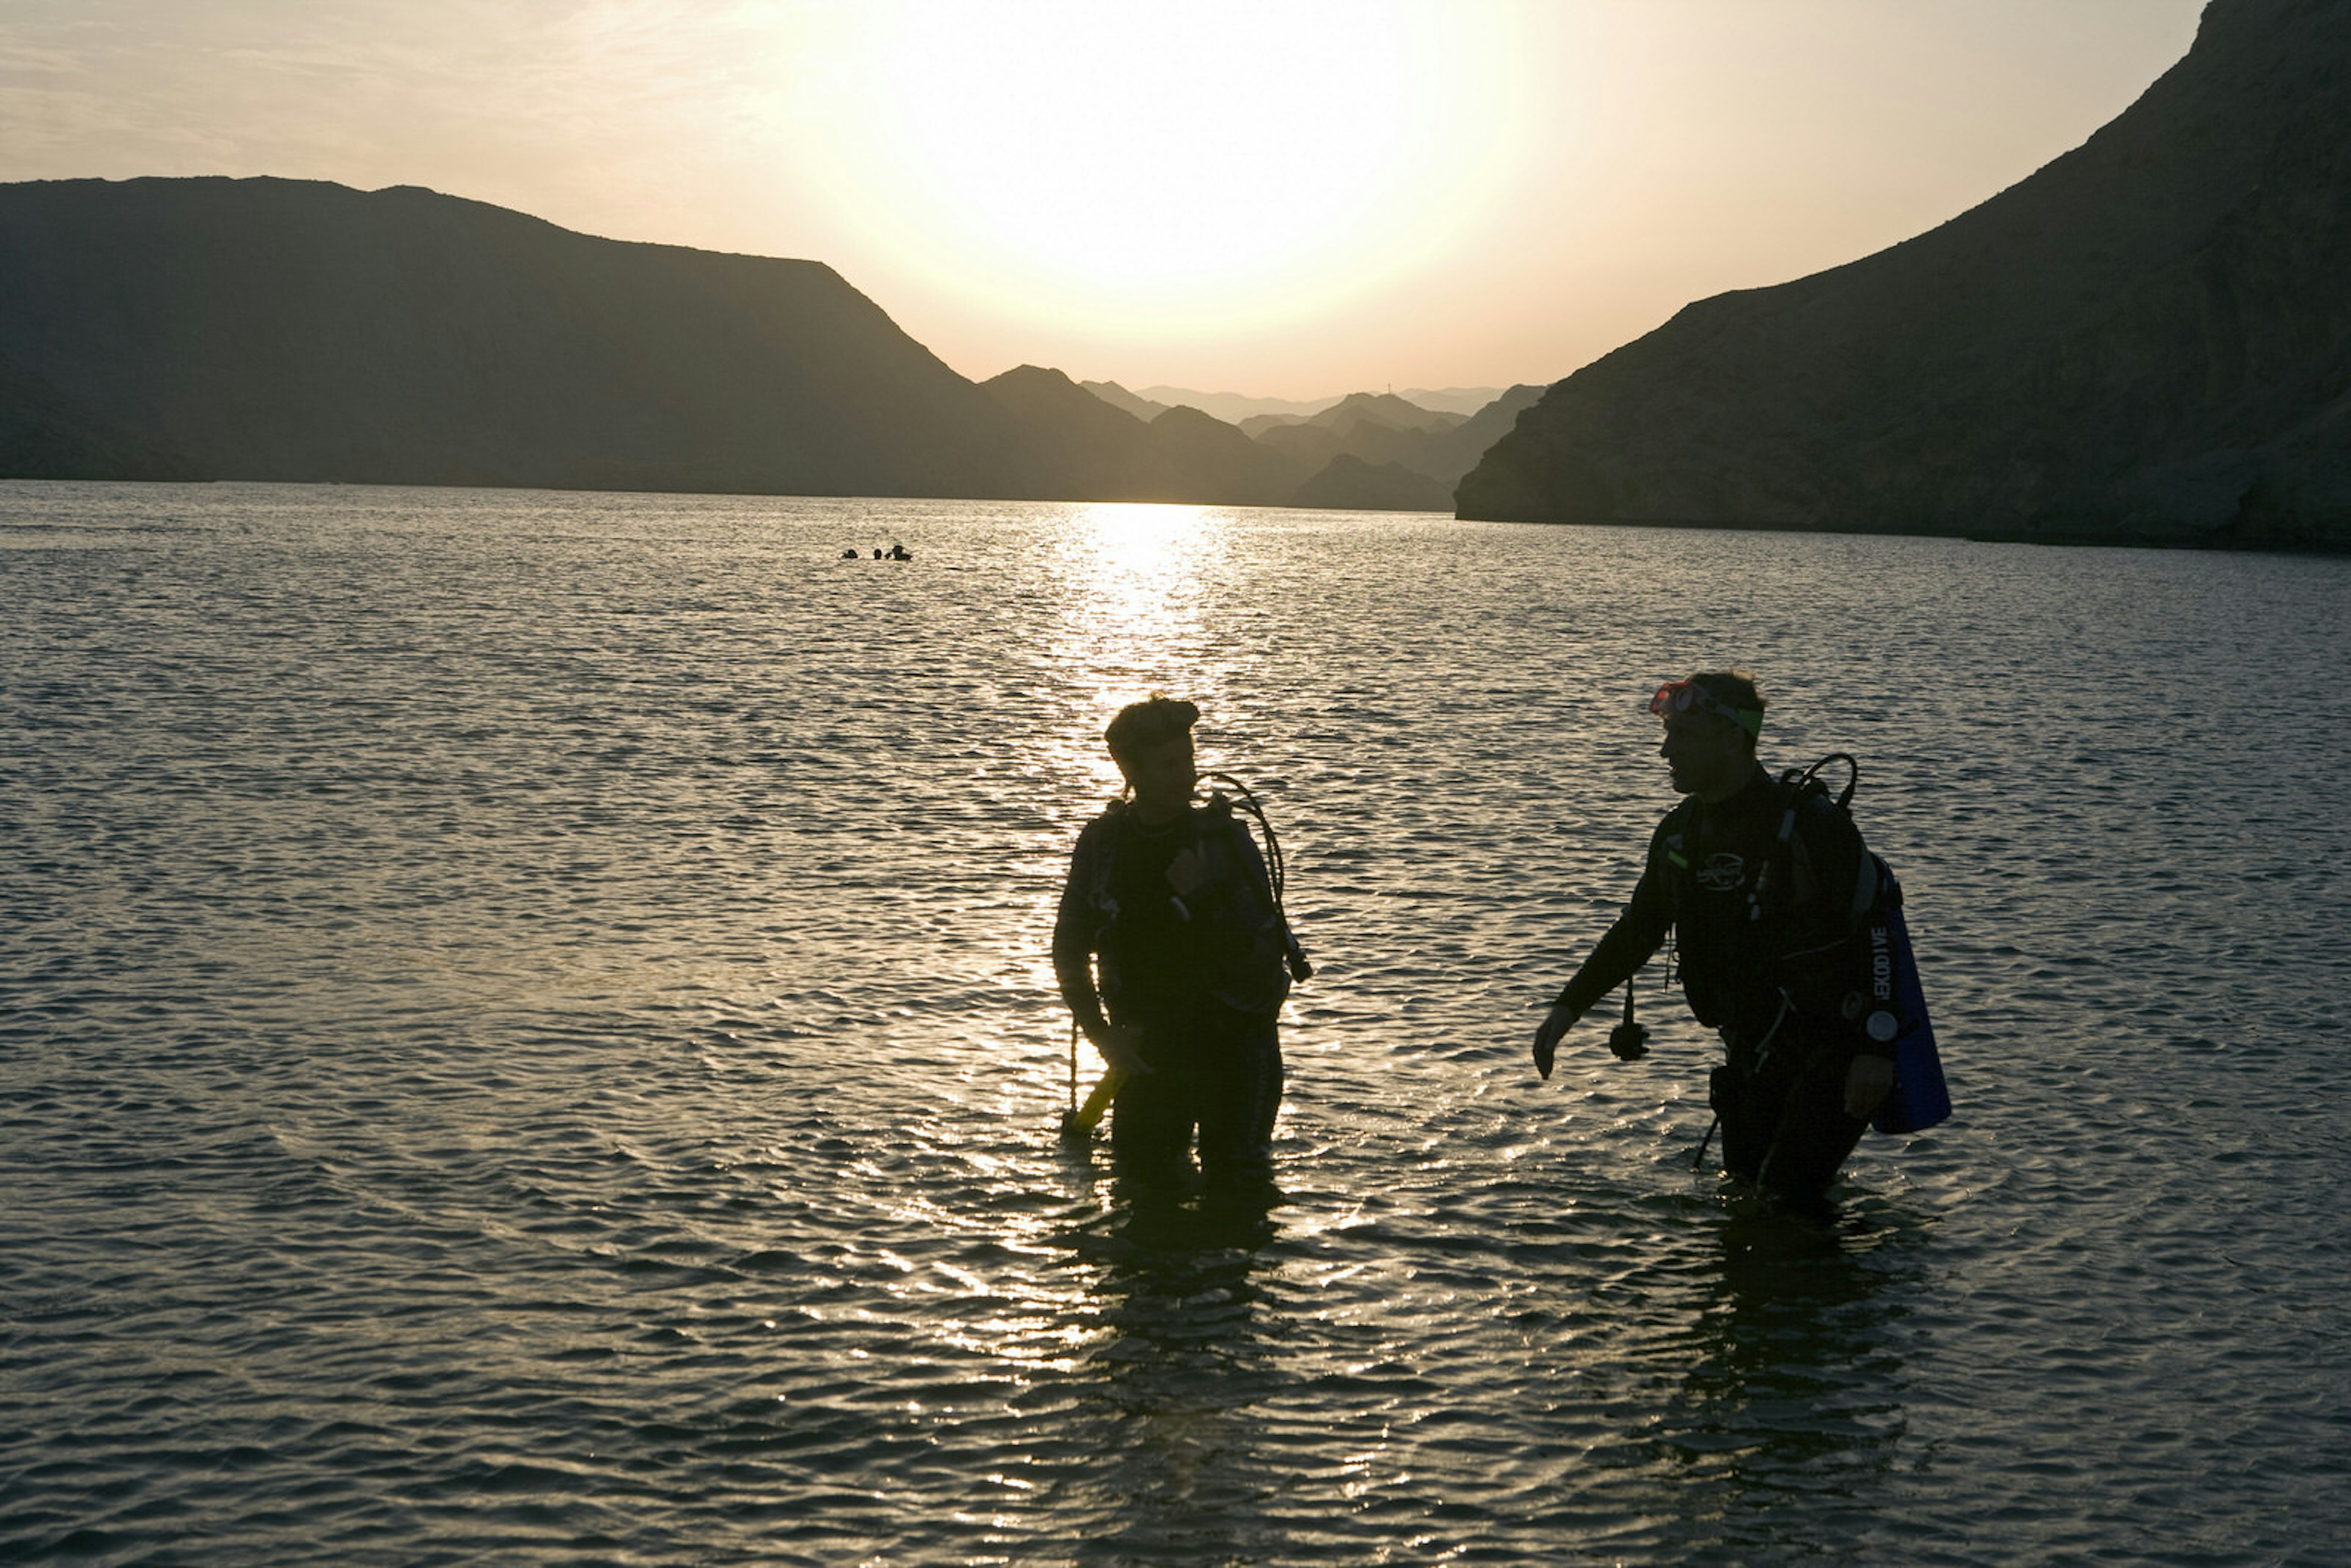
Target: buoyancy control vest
{"points": [[1226, 940], [1762, 906]]}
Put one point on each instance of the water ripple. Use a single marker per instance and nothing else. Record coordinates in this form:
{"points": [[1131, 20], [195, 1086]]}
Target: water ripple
{"points": [[526, 1037]]}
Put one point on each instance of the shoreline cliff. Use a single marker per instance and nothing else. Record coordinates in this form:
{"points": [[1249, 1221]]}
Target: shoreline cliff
{"points": [[2147, 341]]}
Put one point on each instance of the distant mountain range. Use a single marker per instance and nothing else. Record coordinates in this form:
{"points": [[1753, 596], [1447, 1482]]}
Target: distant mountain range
{"points": [[296, 331], [2148, 340], [1235, 409]]}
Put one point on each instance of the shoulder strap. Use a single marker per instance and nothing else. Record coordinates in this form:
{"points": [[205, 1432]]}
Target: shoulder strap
{"points": [[1104, 829], [1674, 835], [1803, 793]]}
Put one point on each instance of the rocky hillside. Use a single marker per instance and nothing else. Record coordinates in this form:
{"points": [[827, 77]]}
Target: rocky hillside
{"points": [[284, 330], [1376, 450], [2150, 340], [1097, 451], [297, 330]]}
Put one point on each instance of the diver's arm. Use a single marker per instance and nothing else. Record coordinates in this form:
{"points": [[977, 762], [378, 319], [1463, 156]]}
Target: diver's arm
{"points": [[1073, 963], [1073, 939], [1632, 942], [1636, 935]]}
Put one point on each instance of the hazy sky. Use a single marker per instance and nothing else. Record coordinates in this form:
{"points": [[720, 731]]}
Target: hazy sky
{"points": [[1280, 197]]}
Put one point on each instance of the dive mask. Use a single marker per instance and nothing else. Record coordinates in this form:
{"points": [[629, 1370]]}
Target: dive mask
{"points": [[1688, 696]]}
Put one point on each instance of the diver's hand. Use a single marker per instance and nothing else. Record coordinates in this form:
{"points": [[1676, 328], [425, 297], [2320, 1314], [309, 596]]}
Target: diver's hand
{"points": [[1867, 1083], [1556, 1023], [1121, 1049]]}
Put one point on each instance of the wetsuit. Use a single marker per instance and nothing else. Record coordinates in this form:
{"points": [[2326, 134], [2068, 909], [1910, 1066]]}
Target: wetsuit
{"points": [[1768, 938], [1202, 974]]}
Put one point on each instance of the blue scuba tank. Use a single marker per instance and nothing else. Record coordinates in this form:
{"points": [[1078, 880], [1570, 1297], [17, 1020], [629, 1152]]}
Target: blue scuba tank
{"points": [[1920, 1098]]}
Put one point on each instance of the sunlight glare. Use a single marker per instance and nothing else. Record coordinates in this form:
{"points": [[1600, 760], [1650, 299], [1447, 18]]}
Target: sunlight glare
{"points": [[1141, 147], [1138, 546], [1134, 587], [1152, 160], [1143, 582]]}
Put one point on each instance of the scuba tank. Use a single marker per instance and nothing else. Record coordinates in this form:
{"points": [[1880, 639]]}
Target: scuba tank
{"points": [[1919, 1098], [1896, 1008]]}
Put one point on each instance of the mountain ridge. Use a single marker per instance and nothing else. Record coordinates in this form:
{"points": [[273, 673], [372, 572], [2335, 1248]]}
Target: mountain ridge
{"points": [[2144, 340], [299, 330]]}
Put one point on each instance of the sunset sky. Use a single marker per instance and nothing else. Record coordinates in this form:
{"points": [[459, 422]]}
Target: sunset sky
{"points": [[1291, 198]]}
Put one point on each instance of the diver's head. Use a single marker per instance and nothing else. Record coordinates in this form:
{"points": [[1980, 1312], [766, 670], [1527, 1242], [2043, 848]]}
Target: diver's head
{"points": [[1152, 744], [1711, 721]]}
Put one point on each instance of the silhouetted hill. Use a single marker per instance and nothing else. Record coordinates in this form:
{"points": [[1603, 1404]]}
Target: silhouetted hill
{"points": [[1369, 451], [44, 434], [1348, 483], [1118, 397], [1099, 452], [1221, 465], [286, 330], [1463, 401], [1376, 432], [1095, 451], [1232, 407], [1453, 453], [1371, 428], [2148, 339], [1311, 445], [297, 330], [1384, 409]]}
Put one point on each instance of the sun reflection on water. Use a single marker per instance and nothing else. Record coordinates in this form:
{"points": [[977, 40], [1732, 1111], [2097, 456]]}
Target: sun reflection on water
{"points": [[1132, 591], [1131, 586], [1135, 578]]}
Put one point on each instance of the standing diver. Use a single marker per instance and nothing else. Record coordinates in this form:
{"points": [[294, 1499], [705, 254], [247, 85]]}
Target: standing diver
{"points": [[1194, 957], [1754, 878]]}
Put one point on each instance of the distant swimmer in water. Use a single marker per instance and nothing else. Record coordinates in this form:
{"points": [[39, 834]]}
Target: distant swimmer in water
{"points": [[1175, 906], [1754, 880]]}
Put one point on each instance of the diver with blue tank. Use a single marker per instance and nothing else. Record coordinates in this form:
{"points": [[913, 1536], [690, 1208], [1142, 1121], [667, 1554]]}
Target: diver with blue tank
{"points": [[1767, 889]]}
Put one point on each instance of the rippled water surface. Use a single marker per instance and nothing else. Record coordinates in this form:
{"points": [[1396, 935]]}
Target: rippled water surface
{"points": [[526, 1036]]}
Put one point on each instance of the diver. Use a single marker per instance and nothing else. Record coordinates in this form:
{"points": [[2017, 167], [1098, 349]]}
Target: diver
{"points": [[1756, 880], [1175, 906]]}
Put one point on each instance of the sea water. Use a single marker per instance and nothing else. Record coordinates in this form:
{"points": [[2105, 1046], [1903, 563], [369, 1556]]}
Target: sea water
{"points": [[526, 1036]]}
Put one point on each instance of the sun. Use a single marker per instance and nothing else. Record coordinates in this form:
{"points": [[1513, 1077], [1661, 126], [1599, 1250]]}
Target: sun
{"points": [[1143, 146], [1173, 161]]}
